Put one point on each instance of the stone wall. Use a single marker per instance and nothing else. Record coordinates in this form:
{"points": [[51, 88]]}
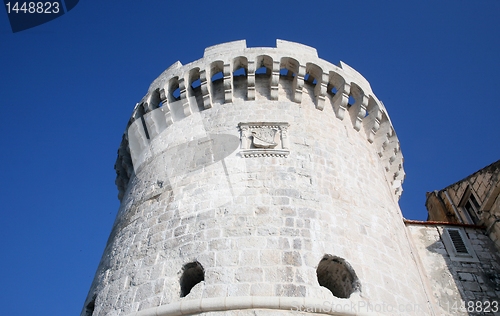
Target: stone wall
{"points": [[456, 285], [254, 182]]}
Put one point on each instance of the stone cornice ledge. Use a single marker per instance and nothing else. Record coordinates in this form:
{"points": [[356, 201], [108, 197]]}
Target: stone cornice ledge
{"points": [[220, 304], [265, 153]]}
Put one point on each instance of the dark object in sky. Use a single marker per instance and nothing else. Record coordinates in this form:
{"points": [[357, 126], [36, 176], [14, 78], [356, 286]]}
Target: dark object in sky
{"points": [[24, 15]]}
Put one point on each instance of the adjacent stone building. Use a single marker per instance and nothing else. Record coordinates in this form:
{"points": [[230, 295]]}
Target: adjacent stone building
{"points": [[459, 244], [266, 181], [473, 200]]}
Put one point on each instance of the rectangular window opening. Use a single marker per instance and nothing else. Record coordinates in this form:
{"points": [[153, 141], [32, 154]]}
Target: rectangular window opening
{"points": [[458, 245]]}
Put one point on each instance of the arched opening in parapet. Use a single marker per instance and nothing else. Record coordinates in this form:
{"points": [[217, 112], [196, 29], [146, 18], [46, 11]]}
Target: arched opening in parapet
{"points": [[177, 93], [218, 76], [289, 68], [173, 95], [89, 308], [196, 84], [240, 78], [356, 96], [357, 104], [262, 71], [338, 276], [154, 100], [192, 274], [310, 79], [217, 87], [351, 101], [138, 115], [264, 65], [335, 91], [372, 107], [286, 73], [240, 72], [194, 88], [332, 90], [174, 92], [287, 82], [217, 82], [310, 85]]}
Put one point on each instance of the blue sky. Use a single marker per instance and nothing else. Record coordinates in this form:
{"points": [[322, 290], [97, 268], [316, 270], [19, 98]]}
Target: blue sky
{"points": [[69, 86]]}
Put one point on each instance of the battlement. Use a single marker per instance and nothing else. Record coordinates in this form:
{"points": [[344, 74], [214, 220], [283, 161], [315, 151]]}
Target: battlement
{"points": [[233, 73]]}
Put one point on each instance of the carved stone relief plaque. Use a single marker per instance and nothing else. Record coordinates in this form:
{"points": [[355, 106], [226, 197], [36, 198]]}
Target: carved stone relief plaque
{"points": [[264, 139]]}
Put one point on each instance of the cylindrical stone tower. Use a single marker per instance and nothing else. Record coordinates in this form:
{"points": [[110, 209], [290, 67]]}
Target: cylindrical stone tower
{"points": [[255, 181]]}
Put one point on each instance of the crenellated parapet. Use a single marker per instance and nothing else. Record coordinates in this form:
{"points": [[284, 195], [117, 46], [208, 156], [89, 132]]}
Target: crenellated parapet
{"points": [[233, 73]]}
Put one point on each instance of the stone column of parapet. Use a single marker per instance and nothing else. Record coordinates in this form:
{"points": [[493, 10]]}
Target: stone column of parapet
{"points": [[262, 192]]}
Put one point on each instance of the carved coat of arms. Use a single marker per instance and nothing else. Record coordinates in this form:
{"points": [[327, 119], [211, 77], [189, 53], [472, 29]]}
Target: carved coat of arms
{"points": [[264, 139]]}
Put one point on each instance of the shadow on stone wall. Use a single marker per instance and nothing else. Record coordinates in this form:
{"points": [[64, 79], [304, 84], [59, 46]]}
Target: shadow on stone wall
{"points": [[463, 286]]}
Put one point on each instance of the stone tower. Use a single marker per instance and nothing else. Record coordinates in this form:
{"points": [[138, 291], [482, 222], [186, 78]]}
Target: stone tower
{"points": [[258, 180]]}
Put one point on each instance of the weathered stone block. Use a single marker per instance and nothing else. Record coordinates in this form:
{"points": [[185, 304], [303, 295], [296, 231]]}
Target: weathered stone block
{"points": [[292, 258], [466, 277]]}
